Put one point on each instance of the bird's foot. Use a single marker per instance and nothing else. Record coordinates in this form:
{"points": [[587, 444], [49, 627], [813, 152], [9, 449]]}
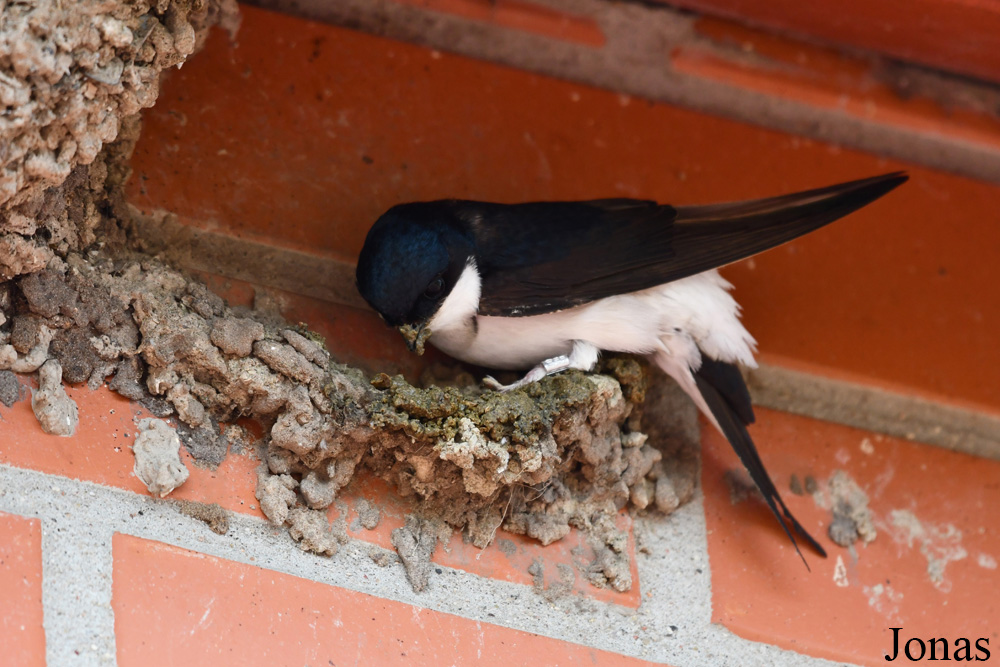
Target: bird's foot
{"points": [[547, 367]]}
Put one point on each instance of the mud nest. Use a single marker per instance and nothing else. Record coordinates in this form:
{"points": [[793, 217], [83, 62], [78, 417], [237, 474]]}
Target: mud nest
{"points": [[566, 451]]}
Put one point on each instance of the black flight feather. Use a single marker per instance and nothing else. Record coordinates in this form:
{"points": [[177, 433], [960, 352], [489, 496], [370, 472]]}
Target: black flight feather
{"points": [[541, 257], [722, 386]]}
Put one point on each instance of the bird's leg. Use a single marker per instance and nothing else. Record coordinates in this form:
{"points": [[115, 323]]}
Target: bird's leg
{"points": [[582, 357], [547, 367]]}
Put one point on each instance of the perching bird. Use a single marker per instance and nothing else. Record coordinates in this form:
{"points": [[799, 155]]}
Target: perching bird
{"points": [[546, 286]]}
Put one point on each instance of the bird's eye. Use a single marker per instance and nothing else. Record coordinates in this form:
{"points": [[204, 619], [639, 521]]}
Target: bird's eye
{"points": [[434, 289]]}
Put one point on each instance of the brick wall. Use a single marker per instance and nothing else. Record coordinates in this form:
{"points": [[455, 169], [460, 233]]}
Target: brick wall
{"points": [[297, 135]]}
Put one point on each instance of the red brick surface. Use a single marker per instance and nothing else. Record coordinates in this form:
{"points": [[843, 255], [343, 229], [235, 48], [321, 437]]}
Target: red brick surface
{"points": [[174, 606], [955, 35], [517, 15], [827, 79], [761, 590], [22, 639]]}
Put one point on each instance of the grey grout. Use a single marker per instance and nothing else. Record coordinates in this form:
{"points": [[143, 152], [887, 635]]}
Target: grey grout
{"points": [[77, 571], [242, 259], [877, 410]]}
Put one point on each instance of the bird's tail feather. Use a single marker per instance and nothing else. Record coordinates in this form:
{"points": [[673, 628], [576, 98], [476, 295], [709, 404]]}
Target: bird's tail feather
{"points": [[723, 390], [717, 388]]}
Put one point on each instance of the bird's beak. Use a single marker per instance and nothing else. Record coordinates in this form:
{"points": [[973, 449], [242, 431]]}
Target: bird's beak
{"points": [[415, 336]]}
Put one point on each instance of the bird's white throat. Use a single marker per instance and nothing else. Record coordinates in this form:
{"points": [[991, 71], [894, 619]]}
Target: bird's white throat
{"points": [[462, 303]]}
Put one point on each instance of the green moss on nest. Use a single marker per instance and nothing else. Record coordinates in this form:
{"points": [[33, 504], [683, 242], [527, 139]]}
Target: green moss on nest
{"points": [[631, 374], [516, 418]]}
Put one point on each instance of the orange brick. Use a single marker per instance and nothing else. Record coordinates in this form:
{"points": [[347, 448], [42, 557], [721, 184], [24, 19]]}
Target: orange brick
{"points": [[21, 591], [174, 606], [761, 591], [301, 134], [942, 34]]}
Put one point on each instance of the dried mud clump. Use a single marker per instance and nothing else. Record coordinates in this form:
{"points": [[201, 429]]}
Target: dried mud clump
{"points": [[415, 543], [54, 409], [851, 518], [564, 452], [10, 389], [212, 515], [157, 457], [71, 71], [73, 77]]}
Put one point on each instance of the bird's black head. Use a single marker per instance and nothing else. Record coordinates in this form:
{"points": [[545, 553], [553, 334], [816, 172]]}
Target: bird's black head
{"points": [[412, 258]]}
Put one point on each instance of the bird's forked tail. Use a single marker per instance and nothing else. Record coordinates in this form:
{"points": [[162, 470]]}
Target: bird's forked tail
{"points": [[719, 391]]}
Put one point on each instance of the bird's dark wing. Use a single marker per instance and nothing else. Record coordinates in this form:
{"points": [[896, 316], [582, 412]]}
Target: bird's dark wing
{"points": [[541, 257], [723, 389]]}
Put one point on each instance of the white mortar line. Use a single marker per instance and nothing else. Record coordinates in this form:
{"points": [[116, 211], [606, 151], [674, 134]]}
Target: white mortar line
{"points": [[78, 619], [672, 625]]}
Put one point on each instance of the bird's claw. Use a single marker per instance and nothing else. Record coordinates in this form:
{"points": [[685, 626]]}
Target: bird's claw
{"points": [[534, 375], [491, 383]]}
